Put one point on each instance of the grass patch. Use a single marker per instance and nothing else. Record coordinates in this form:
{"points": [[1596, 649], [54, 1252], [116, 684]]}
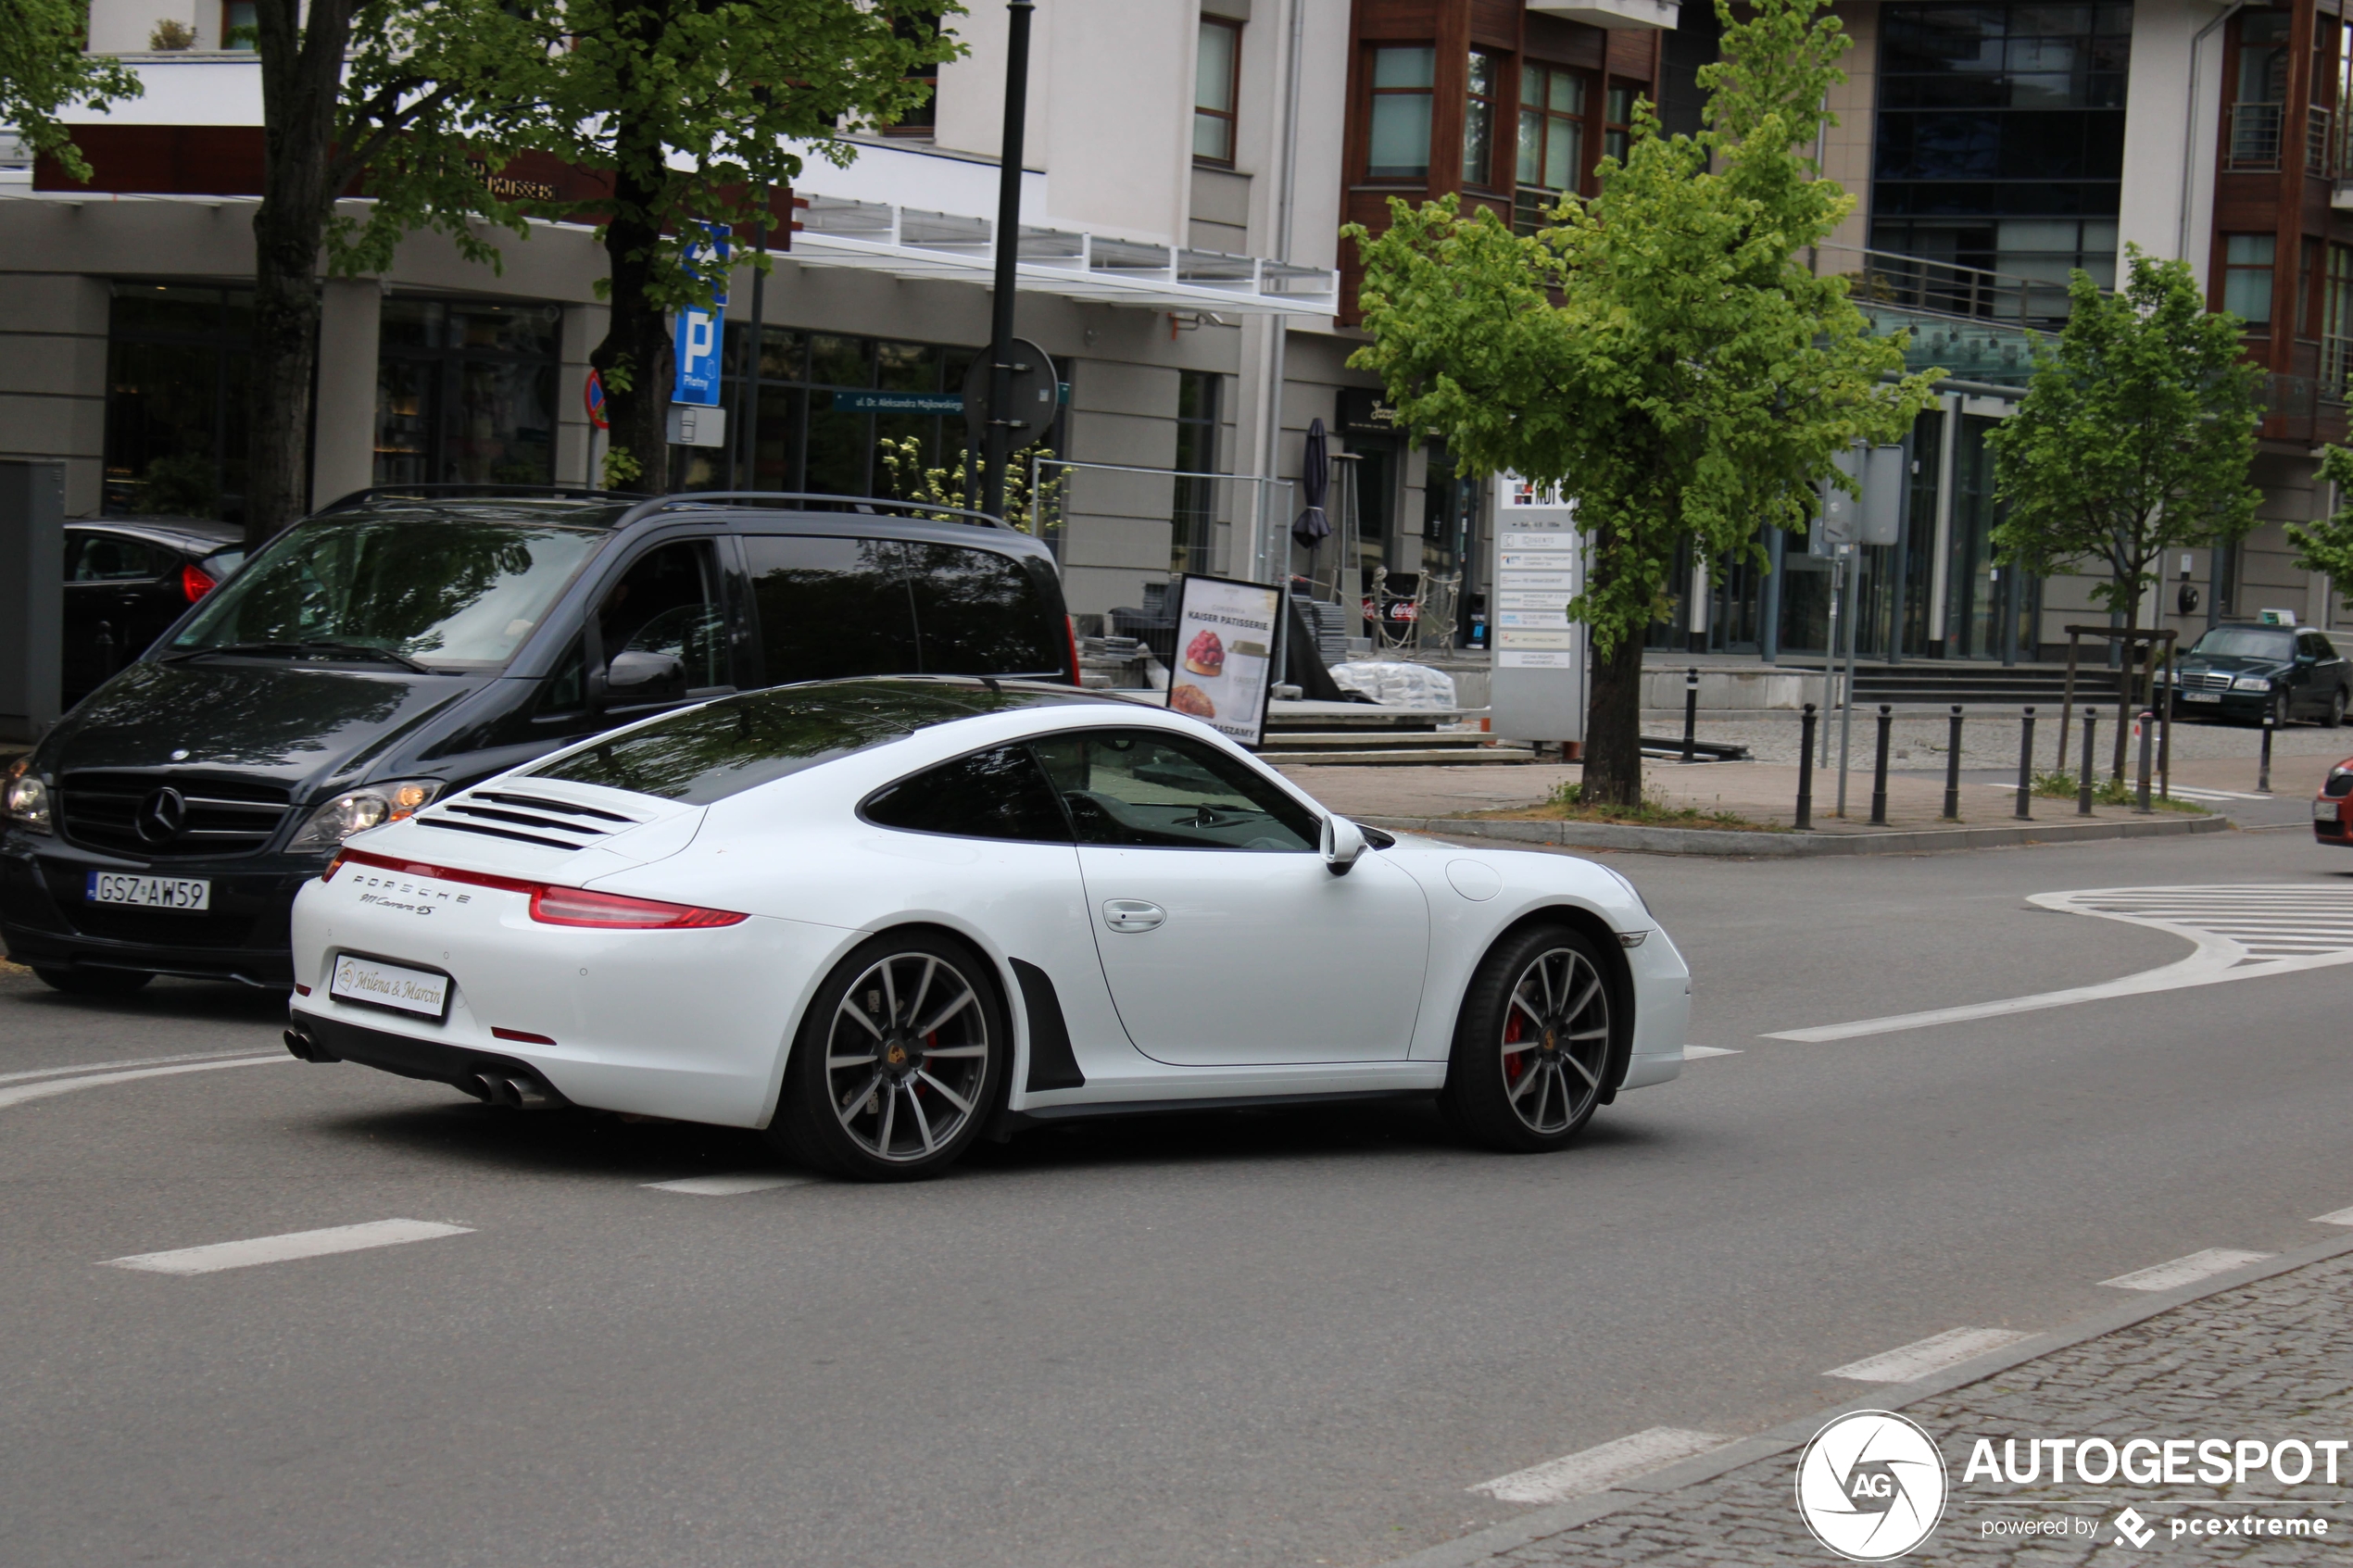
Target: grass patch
{"points": [[1567, 803], [2059, 784]]}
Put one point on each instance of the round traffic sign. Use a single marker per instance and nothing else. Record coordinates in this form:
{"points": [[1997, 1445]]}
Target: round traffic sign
{"points": [[1036, 394]]}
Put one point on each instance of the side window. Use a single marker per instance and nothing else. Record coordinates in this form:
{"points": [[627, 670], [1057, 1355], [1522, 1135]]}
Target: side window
{"points": [[981, 613], [109, 558], [2322, 648], [667, 605], [566, 691], [830, 607], [1145, 788], [1001, 793]]}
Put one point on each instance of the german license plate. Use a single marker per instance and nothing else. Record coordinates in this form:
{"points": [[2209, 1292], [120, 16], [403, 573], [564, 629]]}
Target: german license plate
{"points": [[374, 982], [150, 892], [2201, 696]]}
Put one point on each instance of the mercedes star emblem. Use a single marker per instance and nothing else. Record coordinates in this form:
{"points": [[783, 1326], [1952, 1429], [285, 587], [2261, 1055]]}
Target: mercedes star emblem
{"points": [[161, 816]]}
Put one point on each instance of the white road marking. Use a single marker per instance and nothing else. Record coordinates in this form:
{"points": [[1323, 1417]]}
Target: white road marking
{"points": [[1922, 1357], [24, 1092], [2186, 1270], [2182, 792], [1599, 1468], [1693, 1053], [2241, 933], [729, 1187], [284, 1249], [138, 1061], [2342, 1217]]}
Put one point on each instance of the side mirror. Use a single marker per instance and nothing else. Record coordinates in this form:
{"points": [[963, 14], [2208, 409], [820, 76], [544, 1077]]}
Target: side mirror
{"points": [[637, 675], [1343, 845]]}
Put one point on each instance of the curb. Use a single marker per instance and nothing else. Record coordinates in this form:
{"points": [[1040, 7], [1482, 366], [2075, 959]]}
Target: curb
{"points": [[1468, 1552], [1773, 845]]}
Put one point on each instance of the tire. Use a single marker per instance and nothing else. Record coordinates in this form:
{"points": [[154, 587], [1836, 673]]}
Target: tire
{"points": [[891, 1103], [1532, 1046], [92, 982], [2335, 720], [2282, 715]]}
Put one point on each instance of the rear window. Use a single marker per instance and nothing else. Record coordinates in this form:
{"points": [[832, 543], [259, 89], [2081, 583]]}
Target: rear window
{"points": [[980, 613], [725, 747], [832, 607]]}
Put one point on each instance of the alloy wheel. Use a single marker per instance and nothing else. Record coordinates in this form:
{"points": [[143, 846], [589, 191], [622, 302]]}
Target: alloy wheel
{"points": [[907, 1057], [1555, 1040]]}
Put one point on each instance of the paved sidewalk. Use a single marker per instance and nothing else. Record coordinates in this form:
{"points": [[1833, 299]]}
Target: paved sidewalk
{"points": [[2269, 1360]]}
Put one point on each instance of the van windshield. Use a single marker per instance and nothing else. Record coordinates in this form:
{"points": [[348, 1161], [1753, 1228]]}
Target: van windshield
{"points": [[422, 589]]}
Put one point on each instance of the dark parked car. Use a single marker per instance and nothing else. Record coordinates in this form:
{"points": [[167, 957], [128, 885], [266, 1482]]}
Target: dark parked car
{"points": [[2244, 671], [400, 646], [127, 581]]}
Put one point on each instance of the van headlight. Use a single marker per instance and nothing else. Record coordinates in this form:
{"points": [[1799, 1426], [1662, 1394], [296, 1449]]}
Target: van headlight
{"points": [[2252, 683], [28, 798], [359, 810]]}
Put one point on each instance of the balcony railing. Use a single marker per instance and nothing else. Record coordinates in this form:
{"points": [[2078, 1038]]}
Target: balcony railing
{"points": [[2316, 140], [1945, 288], [2337, 369], [2254, 137], [1532, 208]]}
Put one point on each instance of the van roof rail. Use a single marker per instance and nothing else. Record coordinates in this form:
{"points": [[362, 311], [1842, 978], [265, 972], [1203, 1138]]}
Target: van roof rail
{"points": [[811, 500], [373, 494]]}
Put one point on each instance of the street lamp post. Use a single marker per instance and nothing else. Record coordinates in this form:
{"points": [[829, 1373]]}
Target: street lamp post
{"points": [[1001, 332]]}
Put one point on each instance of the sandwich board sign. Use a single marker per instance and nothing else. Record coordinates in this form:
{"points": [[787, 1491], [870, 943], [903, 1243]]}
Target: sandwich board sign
{"points": [[1227, 635]]}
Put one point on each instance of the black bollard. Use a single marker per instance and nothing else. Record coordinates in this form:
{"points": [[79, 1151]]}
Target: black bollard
{"points": [[1805, 769], [2148, 746], [1879, 770], [2263, 772], [2084, 783], [1691, 716], [1952, 769], [2026, 767]]}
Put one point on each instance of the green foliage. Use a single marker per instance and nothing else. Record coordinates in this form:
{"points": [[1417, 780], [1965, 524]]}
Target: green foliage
{"points": [[2134, 437], [912, 481], [1570, 799], [2327, 546], [43, 70], [621, 469], [2109, 789], [1661, 355]]}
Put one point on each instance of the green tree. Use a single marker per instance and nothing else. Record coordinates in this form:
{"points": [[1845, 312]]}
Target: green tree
{"points": [[689, 106], [44, 70], [2327, 546], [2134, 438], [1661, 356]]}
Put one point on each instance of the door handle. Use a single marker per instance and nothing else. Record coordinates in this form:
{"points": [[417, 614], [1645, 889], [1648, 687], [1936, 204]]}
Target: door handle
{"points": [[1132, 914]]}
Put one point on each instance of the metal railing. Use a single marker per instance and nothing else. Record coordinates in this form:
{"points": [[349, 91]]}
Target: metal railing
{"points": [[2316, 140], [2255, 136], [2336, 368], [1945, 288]]}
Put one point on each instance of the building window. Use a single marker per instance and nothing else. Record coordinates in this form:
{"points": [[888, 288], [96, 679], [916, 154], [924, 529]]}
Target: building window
{"points": [[1215, 89], [1618, 122], [2308, 289], [1551, 142], [1193, 542], [2246, 277], [924, 118], [2336, 325], [239, 30], [466, 393], [177, 365], [1479, 119], [1398, 147], [2259, 91]]}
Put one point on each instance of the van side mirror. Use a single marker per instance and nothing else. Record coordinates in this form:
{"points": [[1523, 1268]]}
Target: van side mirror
{"points": [[1343, 845], [638, 675]]}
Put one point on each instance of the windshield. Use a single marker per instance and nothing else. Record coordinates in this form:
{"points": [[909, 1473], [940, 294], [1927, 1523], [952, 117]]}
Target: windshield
{"points": [[444, 593], [2247, 642], [709, 753]]}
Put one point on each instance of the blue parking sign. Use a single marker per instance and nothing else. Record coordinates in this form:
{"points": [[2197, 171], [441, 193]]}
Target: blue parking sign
{"points": [[697, 343]]}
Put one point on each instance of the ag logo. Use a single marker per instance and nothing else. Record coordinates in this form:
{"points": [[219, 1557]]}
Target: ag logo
{"points": [[1871, 1485]]}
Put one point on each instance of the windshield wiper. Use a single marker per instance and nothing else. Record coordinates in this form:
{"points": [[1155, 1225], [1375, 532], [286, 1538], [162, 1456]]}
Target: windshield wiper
{"points": [[310, 644]]}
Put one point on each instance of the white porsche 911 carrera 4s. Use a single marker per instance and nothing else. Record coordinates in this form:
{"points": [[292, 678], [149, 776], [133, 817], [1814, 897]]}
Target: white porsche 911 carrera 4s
{"points": [[882, 917]]}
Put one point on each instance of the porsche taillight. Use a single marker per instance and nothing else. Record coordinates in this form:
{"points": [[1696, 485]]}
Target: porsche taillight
{"points": [[195, 581], [613, 912]]}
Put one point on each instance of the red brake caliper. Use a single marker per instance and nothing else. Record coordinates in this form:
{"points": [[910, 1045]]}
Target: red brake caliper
{"points": [[1513, 1065]]}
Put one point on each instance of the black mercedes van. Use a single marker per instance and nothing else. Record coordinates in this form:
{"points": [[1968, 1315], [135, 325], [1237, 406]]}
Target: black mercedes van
{"points": [[402, 644]]}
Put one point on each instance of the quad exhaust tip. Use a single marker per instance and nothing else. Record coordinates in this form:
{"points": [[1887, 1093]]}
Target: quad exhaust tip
{"points": [[511, 1090], [304, 1047]]}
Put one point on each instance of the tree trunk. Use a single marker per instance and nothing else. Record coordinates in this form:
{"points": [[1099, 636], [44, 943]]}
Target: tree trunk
{"points": [[301, 78], [638, 336], [1614, 727]]}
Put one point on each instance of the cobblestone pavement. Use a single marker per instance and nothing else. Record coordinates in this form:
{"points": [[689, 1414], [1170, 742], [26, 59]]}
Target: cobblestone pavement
{"points": [[2268, 1361]]}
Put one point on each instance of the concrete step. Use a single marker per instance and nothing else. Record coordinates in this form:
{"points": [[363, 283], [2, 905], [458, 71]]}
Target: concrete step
{"points": [[1400, 757], [1354, 740]]}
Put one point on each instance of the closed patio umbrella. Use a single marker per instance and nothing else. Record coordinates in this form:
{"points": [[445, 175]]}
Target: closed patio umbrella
{"points": [[1311, 527]]}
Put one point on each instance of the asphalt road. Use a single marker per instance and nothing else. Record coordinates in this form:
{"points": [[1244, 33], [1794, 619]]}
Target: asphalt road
{"points": [[1262, 1338]]}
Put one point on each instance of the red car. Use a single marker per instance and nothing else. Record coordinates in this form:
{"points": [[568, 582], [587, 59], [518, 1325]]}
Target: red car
{"points": [[2330, 823]]}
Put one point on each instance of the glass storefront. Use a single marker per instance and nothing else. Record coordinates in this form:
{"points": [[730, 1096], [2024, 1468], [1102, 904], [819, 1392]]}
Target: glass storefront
{"points": [[466, 393], [177, 363]]}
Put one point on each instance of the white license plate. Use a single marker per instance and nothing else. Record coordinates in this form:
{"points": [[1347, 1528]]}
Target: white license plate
{"points": [[374, 982], [2324, 810], [150, 892], [2201, 696]]}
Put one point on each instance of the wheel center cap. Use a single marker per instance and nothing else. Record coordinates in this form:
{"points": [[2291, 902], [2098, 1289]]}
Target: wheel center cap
{"points": [[1551, 1042], [895, 1054]]}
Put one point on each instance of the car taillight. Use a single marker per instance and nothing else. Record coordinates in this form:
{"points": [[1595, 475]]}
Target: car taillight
{"points": [[612, 911], [195, 581]]}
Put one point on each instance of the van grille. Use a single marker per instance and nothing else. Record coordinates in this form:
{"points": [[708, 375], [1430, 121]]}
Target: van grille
{"points": [[528, 819], [125, 814]]}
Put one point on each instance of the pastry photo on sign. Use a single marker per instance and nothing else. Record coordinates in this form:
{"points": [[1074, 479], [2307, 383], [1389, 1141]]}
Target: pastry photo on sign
{"points": [[1225, 644]]}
